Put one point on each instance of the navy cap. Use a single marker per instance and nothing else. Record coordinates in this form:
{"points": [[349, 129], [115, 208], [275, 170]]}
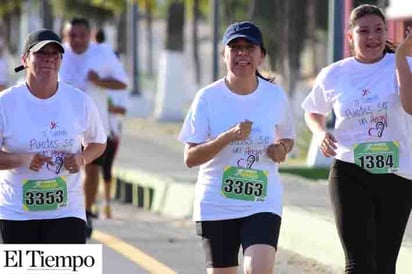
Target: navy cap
{"points": [[38, 39], [246, 30]]}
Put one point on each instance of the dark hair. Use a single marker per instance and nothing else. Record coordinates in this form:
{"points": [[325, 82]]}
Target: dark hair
{"points": [[100, 36], [80, 21], [269, 79], [367, 9]]}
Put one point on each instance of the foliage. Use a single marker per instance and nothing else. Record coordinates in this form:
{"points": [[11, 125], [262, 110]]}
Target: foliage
{"points": [[204, 8], [314, 173], [95, 10], [234, 10], [7, 7]]}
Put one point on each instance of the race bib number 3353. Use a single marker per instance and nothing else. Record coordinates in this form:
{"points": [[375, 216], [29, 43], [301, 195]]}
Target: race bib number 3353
{"points": [[244, 184], [44, 194]]}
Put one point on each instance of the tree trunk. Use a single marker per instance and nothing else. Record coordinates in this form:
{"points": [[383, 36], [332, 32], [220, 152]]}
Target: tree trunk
{"points": [[175, 23], [46, 14], [149, 36], [171, 94], [195, 39], [121, 33], [311, 34]]}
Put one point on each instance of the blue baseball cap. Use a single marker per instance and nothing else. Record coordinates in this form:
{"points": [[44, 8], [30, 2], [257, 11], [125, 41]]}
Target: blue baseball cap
{"points": [[244, 29]]}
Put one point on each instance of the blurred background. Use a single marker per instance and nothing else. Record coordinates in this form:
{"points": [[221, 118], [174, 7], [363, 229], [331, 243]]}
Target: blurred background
{"points": [[171, 48]]}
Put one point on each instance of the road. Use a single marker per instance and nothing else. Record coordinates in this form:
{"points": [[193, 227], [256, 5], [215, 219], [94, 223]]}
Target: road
{"points": [[172, 243]]}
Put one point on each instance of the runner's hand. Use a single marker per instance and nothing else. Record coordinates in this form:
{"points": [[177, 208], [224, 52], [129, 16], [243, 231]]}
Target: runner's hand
{"points": [[406, 46], [241, 131], [328, 145], [73, 162], [38, 161], [277, 152]]}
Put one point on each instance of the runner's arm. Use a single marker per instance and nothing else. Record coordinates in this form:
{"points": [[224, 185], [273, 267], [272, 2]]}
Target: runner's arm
{"points": [[13, 160], [197, 154]]}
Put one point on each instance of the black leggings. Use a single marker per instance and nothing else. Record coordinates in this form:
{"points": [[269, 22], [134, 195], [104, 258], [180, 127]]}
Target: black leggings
{"points": [[371, 213], [68, 230]]}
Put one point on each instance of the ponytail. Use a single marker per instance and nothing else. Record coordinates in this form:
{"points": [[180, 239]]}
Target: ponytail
{"points": [[271, 80], [390, 46]]}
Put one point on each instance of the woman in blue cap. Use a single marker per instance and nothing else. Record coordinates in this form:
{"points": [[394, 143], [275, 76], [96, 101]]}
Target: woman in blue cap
{"points": [[238, 130]]}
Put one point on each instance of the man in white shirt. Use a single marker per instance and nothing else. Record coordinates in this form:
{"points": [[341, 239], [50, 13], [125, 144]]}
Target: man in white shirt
{"points": [[94, 70]]}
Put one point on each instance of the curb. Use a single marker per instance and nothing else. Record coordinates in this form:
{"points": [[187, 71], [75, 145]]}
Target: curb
{"points": [[158, 194], [305, 232]]}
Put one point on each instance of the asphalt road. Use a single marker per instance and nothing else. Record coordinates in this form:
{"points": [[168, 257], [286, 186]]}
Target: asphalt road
{"points": [[173, 243]]}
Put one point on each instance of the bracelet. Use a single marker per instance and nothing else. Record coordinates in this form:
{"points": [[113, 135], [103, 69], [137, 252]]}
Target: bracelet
{"points": [[284, 146]]}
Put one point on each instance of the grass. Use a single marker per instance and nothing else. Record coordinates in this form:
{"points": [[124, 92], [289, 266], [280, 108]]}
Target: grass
{"points": [[313, 173]]}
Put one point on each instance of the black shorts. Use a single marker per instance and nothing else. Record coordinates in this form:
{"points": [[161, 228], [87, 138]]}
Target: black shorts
{"points": [[222, 239], [99, 161], [69, 230], [109, 155]]}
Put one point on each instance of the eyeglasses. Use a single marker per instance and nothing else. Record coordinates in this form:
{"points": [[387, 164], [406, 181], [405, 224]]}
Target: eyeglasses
{"points": [[47, 54], [237, 48]]}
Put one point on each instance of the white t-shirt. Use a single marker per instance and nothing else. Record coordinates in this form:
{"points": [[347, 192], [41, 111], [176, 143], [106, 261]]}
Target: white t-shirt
{"points": [[118, 98], [103, 61], [54, 127], [365, 99], [216, 109]]}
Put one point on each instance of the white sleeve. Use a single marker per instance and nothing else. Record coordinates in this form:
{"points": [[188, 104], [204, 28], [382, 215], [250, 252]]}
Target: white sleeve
{"points": [[286, 127], [124, 98], [409, 60], [1, 127], [117, 70], [195, 128], [316, 101], [95, 132]]}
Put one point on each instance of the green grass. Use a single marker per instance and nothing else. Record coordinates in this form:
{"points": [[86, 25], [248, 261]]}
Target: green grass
{"points": [[312, 173]]}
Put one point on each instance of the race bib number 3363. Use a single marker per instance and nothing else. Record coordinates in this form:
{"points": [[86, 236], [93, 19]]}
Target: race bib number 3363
{"points": [[44, 194], [244, 184], [377, 157]]}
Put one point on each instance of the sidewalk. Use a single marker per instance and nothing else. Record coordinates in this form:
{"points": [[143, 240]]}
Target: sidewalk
{"points": [[150, 168]]}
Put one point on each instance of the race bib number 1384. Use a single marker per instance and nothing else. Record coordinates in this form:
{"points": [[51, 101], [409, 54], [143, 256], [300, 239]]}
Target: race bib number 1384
{"points": [[378, 157]]}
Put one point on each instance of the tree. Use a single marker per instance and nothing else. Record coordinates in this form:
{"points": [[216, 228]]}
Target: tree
{"points": [[170, 97], [283, 27], [149, 6], [195, 39], [175, 24]]}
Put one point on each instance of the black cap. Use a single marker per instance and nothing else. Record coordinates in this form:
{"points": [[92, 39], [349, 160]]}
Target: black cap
{"points": [[38, 39], [246, 30]]}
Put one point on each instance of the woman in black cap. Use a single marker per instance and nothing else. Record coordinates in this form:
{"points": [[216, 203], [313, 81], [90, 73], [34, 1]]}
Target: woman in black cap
{"points": [[43, 124], [238, 130]]}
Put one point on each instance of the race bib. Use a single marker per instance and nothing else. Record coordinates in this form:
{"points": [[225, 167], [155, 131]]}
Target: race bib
{"points": [[377, 157], [44, 194], [244, 184]]}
